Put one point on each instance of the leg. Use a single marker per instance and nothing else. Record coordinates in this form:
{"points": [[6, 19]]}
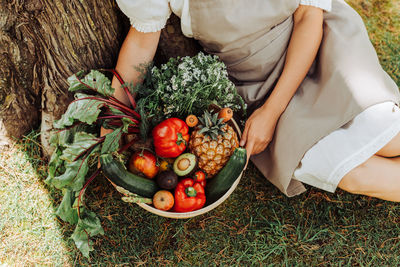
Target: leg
{"points": [[377, 177], [391, 149]]}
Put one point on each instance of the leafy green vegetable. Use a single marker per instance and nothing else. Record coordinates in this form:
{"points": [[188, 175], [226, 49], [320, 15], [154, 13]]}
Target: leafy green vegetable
{"points": [[82, 142], [65, 210], [86, 110], [77, 148], [54, 163], [111, 143], [88, 225], [73, 177], [95, 80]]}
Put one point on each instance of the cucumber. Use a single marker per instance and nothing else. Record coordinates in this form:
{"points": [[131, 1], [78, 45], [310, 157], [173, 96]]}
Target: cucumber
{"points": [[221, 183], [116, 172]]}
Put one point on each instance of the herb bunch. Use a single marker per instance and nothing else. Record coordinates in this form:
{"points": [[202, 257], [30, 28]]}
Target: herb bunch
{"points": [[185, 86]]}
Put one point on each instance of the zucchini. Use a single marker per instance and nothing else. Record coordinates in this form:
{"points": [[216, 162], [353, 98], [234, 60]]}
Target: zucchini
{"points": [[221, 183], [117, 173]]}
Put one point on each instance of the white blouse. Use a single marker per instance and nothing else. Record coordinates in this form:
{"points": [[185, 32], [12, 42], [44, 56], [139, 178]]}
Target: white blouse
{"points": [[152, 15]]}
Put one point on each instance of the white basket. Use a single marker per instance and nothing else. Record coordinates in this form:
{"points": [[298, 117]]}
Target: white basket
{"points": [[185, 215]]}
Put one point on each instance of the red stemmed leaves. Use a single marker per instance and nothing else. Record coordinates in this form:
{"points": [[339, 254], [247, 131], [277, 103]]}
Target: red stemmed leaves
{"points": [[94, 80], [78, 146]]}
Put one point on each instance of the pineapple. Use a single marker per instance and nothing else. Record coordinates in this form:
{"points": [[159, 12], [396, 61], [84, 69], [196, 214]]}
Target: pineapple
{"points": [[213, 142]]}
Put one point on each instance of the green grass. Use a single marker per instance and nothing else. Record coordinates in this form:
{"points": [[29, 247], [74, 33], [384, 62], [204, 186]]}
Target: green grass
{"points": [[382, 18], [257, 225], [29, 232]]}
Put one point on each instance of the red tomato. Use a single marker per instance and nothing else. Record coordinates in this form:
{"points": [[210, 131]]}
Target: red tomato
{"points": [[144, 162], [170, 138], [200, 177]]}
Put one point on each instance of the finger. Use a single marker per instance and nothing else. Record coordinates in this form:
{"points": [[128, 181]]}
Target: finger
{"points": [[104, 131], [260, 148], [249, 151], [243, 140]]}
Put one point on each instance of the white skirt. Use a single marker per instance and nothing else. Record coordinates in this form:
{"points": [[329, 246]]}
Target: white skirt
{"points": [[325, 164]]}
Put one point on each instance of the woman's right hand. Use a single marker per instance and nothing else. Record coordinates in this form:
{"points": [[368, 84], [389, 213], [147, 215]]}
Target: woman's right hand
{"points": [[104, 131], [137, 50]]}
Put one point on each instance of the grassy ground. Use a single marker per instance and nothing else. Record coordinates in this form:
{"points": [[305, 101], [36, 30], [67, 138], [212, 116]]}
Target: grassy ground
{"points": [[257, 225]]}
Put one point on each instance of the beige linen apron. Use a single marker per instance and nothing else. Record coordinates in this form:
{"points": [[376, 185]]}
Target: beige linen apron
{"points": [[252, 36]]}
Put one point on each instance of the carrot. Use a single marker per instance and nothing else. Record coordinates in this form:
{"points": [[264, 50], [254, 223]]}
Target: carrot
{"points": [[192, 120], [226, 114]]}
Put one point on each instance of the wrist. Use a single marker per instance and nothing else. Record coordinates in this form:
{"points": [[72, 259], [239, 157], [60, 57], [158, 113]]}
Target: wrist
{"points": [[273, 109], [119, 91]]}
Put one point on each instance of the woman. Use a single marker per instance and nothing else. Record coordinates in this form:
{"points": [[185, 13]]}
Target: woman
{"points": [[323, 110]]}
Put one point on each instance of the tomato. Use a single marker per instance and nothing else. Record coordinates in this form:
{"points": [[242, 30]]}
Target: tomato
{"points": [[144, 162], [200, 177], [170, 138]]}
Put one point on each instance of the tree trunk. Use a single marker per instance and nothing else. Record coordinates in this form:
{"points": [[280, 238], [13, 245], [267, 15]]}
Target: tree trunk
{"points": [[43, 42]]}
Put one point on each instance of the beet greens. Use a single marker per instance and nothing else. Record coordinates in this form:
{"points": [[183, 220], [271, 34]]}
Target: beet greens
{"points": [[77, 146]]}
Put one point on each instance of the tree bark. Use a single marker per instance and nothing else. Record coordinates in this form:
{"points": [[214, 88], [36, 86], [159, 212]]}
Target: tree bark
{"points": [[173, 43], [43, 42]]}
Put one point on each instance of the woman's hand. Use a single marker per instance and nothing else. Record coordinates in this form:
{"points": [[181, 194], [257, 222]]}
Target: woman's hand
{"points": [[259, 129], [303, 47]]}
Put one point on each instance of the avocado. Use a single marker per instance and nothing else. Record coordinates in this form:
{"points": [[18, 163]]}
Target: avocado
{"points": [[184, 164], [167, 180]]}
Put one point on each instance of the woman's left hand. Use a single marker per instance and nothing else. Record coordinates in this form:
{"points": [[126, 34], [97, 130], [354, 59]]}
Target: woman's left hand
{"points": [[259, 130], [303, 47]]}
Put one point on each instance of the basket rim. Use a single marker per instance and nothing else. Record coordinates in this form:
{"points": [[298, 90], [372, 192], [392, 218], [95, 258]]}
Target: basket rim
{"points": [[190, 214]]}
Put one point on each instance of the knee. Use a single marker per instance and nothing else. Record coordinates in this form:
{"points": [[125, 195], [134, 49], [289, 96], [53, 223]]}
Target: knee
{"points": [[354, 182], [391, 149], [388, 153]]}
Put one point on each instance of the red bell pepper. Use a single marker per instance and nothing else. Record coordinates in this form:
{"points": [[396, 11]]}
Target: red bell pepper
{"points": [[189, 196], [200, 177], [170, 138]]}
